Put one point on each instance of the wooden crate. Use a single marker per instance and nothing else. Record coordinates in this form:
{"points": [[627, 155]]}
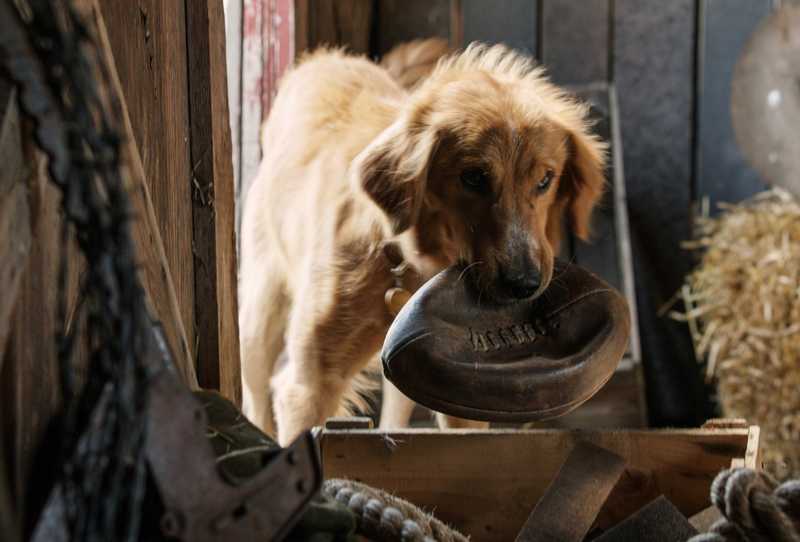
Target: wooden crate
{"points": [[485, 483]]}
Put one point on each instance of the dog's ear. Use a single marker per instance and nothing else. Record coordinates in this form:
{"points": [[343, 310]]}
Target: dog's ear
{"points": [[392, 171], [583, 181]]}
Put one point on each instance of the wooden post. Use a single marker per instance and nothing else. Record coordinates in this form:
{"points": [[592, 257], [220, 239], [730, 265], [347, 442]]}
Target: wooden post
{"points": [[214, 239]]}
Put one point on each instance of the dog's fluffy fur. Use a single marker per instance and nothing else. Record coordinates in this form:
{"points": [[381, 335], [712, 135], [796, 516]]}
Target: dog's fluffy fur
{"points": [[455, 170]]}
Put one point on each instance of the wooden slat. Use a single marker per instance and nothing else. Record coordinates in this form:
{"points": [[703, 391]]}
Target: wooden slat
{"points": [[456, 24], [340, 22], [722, 174], [702, 521], [156, 276], [400, 20], [148, 41], [513, 22], [214, 239], [15, 237], [29, 384], [653, 63], [463, 474], [574, 37], [569, 506], [15, 222], [301, 18], [659, 521]]}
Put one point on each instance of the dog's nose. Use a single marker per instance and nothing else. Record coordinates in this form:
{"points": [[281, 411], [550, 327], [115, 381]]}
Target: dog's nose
{"points": [[523, 285]]}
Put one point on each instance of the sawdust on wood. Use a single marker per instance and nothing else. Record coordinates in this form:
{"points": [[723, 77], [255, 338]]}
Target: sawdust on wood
{"points": [[743, 310]]}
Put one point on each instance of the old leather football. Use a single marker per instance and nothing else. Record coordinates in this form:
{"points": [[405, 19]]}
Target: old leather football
{"points": [[460, 354]]}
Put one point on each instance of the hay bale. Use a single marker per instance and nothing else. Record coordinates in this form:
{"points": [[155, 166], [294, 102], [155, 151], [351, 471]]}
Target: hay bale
{"points": [[743, 310]]}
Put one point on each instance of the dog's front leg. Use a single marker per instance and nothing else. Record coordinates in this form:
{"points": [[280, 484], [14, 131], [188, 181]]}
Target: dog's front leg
{"points": [[328, 342], [451, 422], [396, 408]]}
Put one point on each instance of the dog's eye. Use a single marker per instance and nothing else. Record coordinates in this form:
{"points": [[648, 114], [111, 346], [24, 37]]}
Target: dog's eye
{"points": [[544, 184], [476, 179]]}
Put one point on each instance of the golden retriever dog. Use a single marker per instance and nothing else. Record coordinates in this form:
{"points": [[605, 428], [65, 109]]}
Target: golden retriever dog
{"points": [[478, 164]]}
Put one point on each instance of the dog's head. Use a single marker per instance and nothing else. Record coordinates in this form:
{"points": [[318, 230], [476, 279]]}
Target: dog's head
{"points": [[481, 167]]}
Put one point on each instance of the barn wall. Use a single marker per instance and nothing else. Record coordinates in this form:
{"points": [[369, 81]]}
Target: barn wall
{"points": [[176, 123]]}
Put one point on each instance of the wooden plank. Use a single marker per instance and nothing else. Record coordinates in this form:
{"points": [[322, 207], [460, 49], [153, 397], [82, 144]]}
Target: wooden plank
{"points": [[463, 474], [513, 22], [29, 383], [148, 41], [399, 20], [340, 22], [156, 276], [301, 18], [575, 40], [659, 521], [456, 24], [702, 521], [721, 172], [15, 235], [15, 221], [349, 422], [569, 506], [653, 64], [213, 213]]}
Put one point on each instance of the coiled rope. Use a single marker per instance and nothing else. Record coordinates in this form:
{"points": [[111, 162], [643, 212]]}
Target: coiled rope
{"points": [[755, 508], [385, 518]]}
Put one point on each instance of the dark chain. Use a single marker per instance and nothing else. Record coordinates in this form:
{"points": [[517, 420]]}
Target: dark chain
{"points": [[64, 87]]}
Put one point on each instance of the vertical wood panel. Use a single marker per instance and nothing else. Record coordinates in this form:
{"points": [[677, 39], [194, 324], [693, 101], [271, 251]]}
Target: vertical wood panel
{"points": [[340, 22], [15, 229], [29, 379], [400, 20], [148, 40], [575, 40], [722, 173], [653, 50], [513, 22], [214, 240]]}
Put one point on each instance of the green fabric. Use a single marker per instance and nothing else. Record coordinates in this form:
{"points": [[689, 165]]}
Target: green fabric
{"points": [[242, 450]]}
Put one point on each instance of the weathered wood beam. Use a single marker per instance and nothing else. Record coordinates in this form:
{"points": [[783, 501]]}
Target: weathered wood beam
{"points": [[214, 241]]}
